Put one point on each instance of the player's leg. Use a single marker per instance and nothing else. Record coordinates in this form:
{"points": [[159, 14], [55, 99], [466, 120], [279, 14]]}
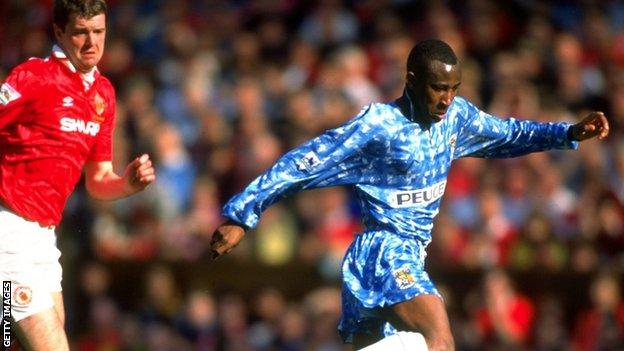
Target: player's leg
{"points": [[427, 315], [59, 306], [380, 329], [423, 315], [42, 331]]}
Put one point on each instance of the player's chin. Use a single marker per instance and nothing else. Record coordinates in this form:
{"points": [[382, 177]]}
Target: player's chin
{"points": [[437, 117], [89, 61]]}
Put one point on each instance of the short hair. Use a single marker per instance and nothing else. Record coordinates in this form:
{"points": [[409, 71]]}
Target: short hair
{"points": [[427, 51], [63, 9]]}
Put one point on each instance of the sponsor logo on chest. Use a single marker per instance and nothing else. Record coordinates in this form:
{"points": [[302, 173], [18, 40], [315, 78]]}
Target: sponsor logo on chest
{"points": [[74, 125], [425, 196], [77, 125]]}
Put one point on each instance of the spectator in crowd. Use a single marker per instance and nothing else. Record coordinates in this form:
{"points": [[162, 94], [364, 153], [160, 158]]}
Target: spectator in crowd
{"points": [[507, 317], [601, 326]]}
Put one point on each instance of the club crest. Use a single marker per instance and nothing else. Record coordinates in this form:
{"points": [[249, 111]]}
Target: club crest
{"points": [[100, 105], [22, 295], [404, 278]]}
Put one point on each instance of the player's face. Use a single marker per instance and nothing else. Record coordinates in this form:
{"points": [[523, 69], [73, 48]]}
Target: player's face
{"points": [[436, 91], [82, 39]]}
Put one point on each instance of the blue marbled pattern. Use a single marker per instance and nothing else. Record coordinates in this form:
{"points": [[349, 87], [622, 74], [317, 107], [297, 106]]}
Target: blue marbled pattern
{"points": [[398, 169]]}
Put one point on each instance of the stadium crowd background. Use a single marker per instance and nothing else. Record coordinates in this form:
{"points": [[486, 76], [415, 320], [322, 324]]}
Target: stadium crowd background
{"points": [[529, 252]]}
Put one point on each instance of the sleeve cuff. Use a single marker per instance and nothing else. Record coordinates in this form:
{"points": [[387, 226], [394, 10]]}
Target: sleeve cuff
{"points": [[247, 223], [571, 141], [569, 133]]}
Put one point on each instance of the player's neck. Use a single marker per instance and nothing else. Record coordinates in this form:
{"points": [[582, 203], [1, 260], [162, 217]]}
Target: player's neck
{"points": [[407, 105]]}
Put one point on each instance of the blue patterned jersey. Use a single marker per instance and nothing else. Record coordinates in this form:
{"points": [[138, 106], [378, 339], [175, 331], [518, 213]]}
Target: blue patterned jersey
{"points": [[397, 167]]}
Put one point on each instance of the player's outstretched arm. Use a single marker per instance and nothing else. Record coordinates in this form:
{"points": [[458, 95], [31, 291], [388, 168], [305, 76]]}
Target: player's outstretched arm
{"points": [[225, 238], [104, 184], [594, 124]]}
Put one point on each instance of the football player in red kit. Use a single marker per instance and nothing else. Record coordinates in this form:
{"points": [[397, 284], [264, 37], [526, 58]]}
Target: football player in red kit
{"points": [[56, 119]]}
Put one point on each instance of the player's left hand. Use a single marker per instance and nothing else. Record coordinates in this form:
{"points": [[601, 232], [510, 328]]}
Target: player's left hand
{"points": [[140, 173], [225, 238], [594, 124]]}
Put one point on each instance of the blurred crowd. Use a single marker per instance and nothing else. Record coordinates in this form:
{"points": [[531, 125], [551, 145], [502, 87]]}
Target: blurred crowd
{"points": [[216, 91]]}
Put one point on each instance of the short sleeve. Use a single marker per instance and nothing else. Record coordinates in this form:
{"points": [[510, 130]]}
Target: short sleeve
{"points": [[15, 93]]}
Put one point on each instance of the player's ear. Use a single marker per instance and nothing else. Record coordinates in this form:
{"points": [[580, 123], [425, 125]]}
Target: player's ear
{"points": [[411, 80]]}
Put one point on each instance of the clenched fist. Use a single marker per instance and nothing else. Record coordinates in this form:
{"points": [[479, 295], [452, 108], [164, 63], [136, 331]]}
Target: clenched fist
{"points": [[594, 124], [225, 238], [140, 173]]}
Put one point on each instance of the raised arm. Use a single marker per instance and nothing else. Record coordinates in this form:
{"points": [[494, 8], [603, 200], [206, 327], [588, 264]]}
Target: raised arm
{"points": [[483, 135], [337, 157]]}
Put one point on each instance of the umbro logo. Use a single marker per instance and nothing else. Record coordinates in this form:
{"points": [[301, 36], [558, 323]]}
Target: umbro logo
{"points": [[68, 101]]}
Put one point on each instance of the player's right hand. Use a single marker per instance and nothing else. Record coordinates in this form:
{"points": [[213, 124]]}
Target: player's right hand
{"points": [[225, 238]]}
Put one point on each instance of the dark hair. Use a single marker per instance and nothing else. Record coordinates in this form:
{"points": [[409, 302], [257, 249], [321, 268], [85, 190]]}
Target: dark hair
{"points": [[429, 50], [62, 9]]}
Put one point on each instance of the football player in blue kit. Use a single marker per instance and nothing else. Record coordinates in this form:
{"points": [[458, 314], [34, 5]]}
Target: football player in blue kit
{"points": [[396, 156]]}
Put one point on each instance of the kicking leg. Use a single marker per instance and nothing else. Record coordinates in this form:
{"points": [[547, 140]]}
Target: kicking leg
{"points": [[424, 314], [421, 316]]}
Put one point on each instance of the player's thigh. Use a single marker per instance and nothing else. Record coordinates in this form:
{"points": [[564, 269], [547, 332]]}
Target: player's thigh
{"points": [[42, 331], [421, 313], [59, 306], [425, 314]]}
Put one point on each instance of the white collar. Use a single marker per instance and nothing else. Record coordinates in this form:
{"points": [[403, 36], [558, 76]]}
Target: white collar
{"points": [[88, 77], [58, 52]]}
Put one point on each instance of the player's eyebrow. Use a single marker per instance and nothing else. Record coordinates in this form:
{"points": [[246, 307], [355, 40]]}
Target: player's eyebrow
{"points": [[445, 85]]}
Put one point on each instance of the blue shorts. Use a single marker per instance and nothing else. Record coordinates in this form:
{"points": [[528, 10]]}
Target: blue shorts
{"points": [[380, 269]]}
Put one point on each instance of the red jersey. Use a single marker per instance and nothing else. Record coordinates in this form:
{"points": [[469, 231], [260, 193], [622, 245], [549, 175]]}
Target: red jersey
{"points": [[50, 125]]}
